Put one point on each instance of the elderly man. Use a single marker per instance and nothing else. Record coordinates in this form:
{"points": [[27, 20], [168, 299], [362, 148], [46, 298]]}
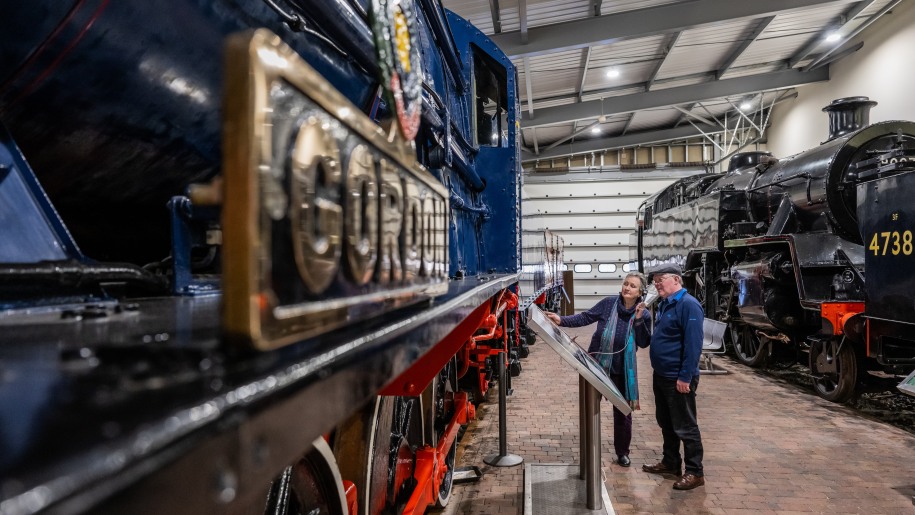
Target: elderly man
{"points": [[676, 346]]}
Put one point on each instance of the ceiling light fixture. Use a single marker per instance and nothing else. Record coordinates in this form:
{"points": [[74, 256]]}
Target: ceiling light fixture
{"points": [[595, 130], [745, 106], [613, 73], [833, 37]]}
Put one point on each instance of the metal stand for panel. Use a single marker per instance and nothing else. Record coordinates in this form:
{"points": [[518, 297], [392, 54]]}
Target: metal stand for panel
{"points": [[590, 436], [582, 420], [503, 459], [565, 489]]}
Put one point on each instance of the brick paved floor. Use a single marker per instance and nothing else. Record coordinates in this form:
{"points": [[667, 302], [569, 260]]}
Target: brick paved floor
{"points": [[769, 448]]}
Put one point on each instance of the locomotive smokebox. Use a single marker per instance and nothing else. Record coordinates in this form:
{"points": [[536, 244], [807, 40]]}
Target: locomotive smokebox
{"points": [[847, 115]]}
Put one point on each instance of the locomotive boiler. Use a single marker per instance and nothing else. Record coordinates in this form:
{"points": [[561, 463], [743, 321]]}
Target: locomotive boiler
{"points": [[776, 248], [249, 253]]}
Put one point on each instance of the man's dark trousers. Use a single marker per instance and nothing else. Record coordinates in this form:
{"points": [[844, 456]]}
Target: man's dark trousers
{"points": [[676, 414]]}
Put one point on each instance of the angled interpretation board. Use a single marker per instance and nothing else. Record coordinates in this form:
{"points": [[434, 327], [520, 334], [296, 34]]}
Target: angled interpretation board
{"points": [[584, 364]]}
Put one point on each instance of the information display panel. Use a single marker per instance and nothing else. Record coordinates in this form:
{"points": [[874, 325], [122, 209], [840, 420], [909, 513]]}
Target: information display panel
{"points": [[907, 386], [574, 355]]}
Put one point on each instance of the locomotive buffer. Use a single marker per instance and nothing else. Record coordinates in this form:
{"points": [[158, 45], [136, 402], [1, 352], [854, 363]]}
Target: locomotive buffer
{"points": [[560, 489]]}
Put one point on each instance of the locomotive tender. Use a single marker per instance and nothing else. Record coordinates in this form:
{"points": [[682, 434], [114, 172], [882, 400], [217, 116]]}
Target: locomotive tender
{"points": [[800, 255], [249, 252]]}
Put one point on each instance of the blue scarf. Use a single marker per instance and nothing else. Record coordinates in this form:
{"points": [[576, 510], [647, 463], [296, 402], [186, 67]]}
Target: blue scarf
{"points": [[630, 375]]}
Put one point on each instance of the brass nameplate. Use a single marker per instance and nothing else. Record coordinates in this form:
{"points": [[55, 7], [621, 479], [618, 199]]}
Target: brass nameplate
{"points": [[326, 221]]}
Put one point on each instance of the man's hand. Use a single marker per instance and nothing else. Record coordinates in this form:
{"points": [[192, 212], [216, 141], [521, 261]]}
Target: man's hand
{"points": [[553, 317], [682, 386]]}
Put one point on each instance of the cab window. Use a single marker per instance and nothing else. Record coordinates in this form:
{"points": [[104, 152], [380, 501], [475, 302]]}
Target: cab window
{"points": [[490, 110]]}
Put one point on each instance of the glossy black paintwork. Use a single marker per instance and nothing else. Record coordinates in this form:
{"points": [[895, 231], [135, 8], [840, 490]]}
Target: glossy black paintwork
{"points": [[117, 105], [99, 396], [885, 206], [796, 215], [817, 184]]}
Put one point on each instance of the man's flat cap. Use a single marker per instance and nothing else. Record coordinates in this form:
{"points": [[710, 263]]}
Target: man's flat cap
{"points": [[666, 268]]}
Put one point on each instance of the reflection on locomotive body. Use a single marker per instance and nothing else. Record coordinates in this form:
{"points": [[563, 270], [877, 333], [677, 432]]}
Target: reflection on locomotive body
{"points": [[541, 270], [256, 255], [778, 248]]}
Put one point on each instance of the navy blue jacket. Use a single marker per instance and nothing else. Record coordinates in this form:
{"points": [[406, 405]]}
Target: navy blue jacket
{"points": [[676, 343], [601, 313]]}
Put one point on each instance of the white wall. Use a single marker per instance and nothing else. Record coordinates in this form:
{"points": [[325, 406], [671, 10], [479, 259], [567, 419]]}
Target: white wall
{"points": [[594, 213], [884, 70]]}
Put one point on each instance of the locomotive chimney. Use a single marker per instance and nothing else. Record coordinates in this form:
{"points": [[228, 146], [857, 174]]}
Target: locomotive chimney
{"points": [[846, 115]]}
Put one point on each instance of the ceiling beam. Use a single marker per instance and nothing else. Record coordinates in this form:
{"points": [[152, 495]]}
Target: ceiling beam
{"points": [[628, 123], [527, 82], [629, 140], [839, 56], [575, 132], [496, 17], [585, 61], [686, 112], [671, 43], [522, 19], [673, 96], [534, 140], [595, 7], [684, 117], [763, 24], [815, 41], [662, 19], [818, 62]]}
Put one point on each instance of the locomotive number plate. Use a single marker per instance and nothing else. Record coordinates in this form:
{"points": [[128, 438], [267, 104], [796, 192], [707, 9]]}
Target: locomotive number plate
{"points": [[327, 220]]}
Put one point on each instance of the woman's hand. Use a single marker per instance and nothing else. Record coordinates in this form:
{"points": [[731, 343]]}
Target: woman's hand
{"points": [[640, 310], [553, 317]]}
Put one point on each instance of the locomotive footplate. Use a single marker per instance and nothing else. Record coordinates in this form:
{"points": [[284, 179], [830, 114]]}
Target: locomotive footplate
{"points": [[148, 396]]}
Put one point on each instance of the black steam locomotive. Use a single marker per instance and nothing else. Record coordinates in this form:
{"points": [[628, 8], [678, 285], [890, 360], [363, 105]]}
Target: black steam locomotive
{"points": [[780, 248], [250, 252]]}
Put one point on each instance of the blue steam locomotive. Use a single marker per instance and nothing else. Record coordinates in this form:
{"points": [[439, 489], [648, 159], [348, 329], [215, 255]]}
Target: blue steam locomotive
{"points": [[780, 248], [250, 252]]}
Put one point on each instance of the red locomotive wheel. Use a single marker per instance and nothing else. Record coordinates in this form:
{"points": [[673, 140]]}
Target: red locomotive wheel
{"points": [[441, 410], [375, 450]]}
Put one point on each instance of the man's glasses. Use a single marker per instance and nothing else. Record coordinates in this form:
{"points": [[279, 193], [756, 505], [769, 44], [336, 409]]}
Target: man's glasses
{"points": [[660, 279]]}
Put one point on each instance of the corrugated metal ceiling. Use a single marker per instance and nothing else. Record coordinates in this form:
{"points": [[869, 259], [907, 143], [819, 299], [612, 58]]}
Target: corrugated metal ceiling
{"points": [[670, 48]]}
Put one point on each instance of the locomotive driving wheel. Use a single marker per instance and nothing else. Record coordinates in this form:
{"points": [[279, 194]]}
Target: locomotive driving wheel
{"points": [[834, 367], [312, 486], [440, 403], [748, 347], [376, 450]]}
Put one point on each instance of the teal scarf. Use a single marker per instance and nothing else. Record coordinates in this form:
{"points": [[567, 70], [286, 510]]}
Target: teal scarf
{"points": [[630, 375]]}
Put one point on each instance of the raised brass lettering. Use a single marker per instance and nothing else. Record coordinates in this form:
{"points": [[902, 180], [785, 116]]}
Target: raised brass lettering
{"points": [[427, 266], [361, 221], [392, 215], [316, 215], [412, 231]]}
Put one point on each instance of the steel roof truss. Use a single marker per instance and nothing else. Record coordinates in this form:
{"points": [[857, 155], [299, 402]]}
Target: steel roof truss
{"points": [[674, 96], [638, 23]]}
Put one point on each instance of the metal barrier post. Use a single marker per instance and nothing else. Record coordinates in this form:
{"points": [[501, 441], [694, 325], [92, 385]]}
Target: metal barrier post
{"points": [[582, 422], [591, 431], [503, 459]]}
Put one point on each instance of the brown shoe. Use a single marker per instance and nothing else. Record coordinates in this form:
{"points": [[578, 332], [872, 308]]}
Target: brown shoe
{"points": [[661, 468], [689, 481]]}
